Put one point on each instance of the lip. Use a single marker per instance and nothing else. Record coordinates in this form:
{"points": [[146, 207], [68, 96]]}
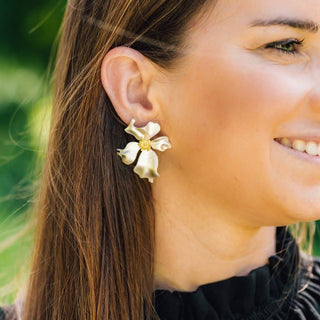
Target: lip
{"points": [[298, 154]]}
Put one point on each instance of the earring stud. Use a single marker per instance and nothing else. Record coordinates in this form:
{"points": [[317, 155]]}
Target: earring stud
{"points": [[147, 164]]}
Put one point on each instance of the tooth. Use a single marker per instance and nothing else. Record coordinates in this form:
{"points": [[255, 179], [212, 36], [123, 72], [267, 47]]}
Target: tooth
{"points": [[299, 145], [318, 149], [286, 142], [312, 148]]}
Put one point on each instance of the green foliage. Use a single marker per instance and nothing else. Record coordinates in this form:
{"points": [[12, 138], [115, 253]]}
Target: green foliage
{"points": [[28, 28], [28, 31], [16, 243]]}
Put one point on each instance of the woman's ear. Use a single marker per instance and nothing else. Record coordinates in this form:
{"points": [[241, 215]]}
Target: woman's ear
{"points": [[126, 76]]}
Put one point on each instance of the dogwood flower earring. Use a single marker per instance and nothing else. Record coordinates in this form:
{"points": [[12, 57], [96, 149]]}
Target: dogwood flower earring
{"points": [[147, 164]]}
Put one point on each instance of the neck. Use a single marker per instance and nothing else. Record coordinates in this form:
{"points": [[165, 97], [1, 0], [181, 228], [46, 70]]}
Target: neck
{"points": [[197, 243]]}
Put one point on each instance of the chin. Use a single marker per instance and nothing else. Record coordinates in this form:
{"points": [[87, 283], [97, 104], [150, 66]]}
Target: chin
{"points": [[309, 214]]}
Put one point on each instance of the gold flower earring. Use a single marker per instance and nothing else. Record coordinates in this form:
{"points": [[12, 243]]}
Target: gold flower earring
{"points": [[147, 164]]}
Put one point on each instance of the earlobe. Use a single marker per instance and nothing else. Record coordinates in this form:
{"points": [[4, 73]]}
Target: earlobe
{"points": [[126, 76]]}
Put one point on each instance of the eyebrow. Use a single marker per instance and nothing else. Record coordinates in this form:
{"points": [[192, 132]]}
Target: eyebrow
{"points": [[306, 25]]}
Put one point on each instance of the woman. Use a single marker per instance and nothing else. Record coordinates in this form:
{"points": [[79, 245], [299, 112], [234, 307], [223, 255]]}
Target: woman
{"points": [[183, 143]]}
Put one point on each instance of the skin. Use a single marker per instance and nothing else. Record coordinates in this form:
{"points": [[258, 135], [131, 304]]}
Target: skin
{"points": [[226, 184]]}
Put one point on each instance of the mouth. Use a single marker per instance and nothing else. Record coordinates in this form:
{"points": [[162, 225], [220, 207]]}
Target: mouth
{"points": [[303, 148]]}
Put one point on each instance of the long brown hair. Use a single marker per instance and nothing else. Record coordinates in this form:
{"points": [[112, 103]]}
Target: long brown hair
{"points": [[93, 249]]}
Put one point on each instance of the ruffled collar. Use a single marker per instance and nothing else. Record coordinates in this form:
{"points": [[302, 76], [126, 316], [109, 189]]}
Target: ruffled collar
{"points": [[261, 292]]}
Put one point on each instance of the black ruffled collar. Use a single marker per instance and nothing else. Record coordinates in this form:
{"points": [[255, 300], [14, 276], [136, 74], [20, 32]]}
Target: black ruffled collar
{"points": [[258, 295]]}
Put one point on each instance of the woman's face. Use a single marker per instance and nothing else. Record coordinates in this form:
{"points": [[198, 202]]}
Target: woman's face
{"points": [[232, 95]]}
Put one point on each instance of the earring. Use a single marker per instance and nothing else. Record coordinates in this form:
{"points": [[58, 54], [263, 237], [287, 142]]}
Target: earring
{"points": [[147, 164]]}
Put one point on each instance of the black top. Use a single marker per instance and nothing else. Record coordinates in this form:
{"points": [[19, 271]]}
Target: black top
{"points": [[288, 287]]}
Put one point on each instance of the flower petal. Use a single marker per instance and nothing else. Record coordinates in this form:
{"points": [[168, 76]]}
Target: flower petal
{"points": [[147, 165], [161, 143], [129, 153], [146, 132]]}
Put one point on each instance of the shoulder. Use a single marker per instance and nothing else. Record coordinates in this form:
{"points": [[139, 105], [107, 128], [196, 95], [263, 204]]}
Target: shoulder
{"points": [[309, 293], [8, 312], [316, 271], [312, 265]]}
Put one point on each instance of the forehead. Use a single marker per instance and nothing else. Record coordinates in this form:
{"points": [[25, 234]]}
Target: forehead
{"points": [[232, 19], [242, 12]]}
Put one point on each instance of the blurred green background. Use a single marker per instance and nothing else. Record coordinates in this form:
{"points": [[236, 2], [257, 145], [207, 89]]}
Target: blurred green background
{"points": [[27, 31]]}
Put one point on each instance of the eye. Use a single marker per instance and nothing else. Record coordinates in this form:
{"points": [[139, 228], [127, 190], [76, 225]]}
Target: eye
{"points": [[288, 46]]}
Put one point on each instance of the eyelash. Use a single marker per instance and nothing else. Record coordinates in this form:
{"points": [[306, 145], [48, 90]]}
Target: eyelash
{"points": [[273, 45]]}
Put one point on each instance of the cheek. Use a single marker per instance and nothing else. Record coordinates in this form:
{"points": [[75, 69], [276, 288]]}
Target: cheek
{"points": [[225, 115], [251, 98], [234, 101]]}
